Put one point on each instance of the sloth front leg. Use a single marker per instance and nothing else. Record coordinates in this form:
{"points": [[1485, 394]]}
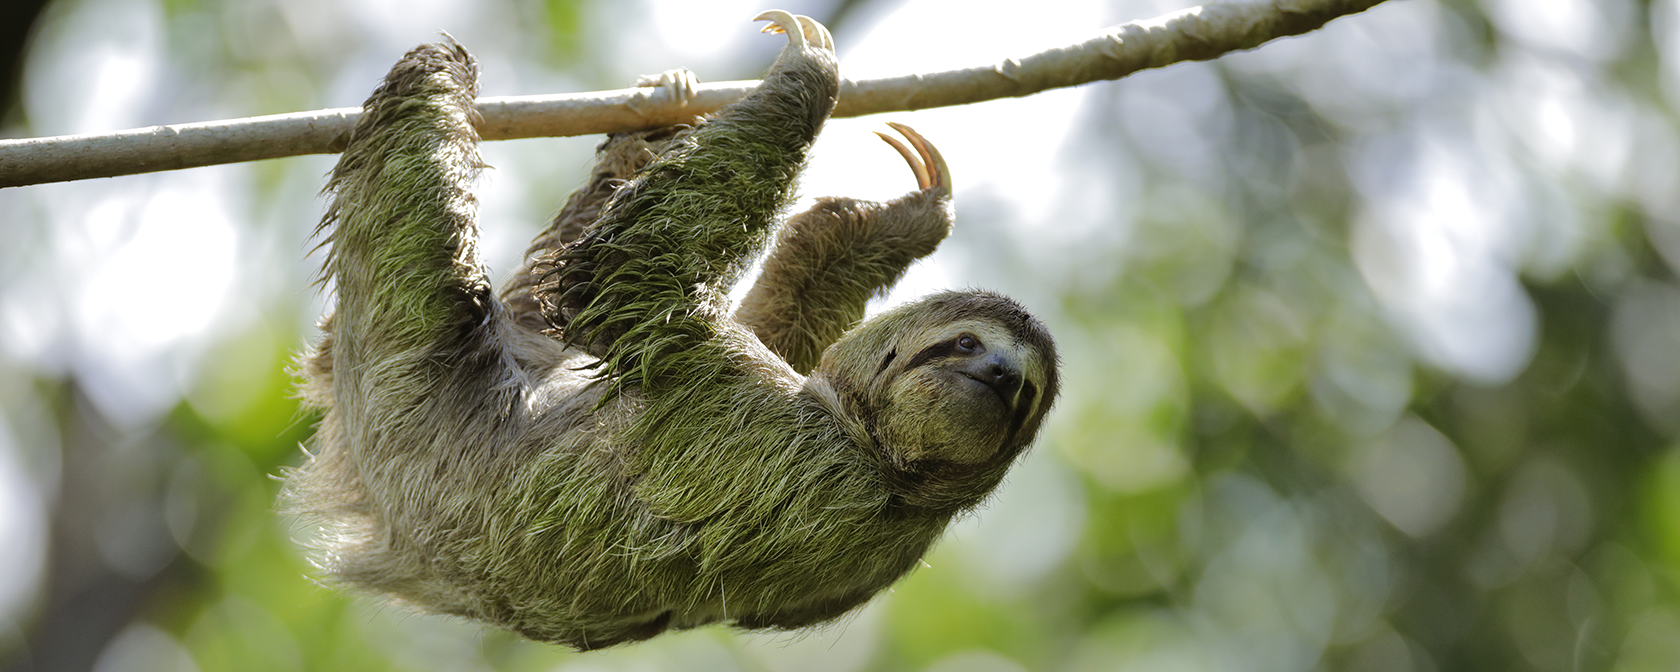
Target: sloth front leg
{"points": [[401, 227], [618, 159], [413, 299], [410, 369], [646, 289], [828, 261]]}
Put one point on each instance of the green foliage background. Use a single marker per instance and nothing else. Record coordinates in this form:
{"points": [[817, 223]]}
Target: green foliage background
{"points": [[1372, 341]]}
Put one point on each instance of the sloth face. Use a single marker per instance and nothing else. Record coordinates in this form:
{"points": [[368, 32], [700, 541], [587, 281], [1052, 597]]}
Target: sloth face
{"points": [[957, 392], [957, 379]]}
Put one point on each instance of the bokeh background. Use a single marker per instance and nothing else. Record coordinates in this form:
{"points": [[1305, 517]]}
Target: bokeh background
{"points": [[1371, 337]]}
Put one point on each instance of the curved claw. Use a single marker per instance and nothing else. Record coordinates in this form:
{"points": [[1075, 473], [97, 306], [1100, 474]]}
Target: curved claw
{"points": [[818, 31], [930, 168], [801, 30]]}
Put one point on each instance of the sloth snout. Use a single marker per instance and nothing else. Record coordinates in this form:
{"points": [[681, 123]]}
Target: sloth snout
{"points": [[999, 373]]}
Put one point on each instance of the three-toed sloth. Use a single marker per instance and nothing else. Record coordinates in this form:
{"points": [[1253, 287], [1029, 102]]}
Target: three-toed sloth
{"points": [[604, 452]]}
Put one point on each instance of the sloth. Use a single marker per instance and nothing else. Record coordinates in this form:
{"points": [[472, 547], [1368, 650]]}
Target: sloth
{"points": [[604, 451]]}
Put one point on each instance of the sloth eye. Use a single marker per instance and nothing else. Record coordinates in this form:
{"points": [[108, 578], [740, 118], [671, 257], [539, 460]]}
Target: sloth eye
{"points": [[968, 343]]}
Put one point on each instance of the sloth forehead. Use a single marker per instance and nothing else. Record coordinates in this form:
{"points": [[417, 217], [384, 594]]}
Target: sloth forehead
{"points": [[991, 333]]}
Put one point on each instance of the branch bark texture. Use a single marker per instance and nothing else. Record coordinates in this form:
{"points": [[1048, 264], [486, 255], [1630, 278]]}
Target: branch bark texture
{"points": [[1195, 34]]}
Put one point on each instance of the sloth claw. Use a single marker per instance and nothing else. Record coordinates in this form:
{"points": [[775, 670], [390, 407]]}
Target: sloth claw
{"points": [[802, 31], [926, 162], [679, 83]]}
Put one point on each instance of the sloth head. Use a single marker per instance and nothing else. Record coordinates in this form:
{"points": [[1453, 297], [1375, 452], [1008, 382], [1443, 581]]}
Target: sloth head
{"points": [[950, 389]]}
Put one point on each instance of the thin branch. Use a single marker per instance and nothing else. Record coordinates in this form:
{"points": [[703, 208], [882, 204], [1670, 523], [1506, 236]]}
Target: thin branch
{"points": [[1195, 34]]}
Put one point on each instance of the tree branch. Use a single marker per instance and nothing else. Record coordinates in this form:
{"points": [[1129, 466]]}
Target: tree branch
{"points": [[1195, 34]]}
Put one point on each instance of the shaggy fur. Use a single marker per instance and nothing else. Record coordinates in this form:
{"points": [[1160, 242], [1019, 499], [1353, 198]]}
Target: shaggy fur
{"points": [[603, 453]]}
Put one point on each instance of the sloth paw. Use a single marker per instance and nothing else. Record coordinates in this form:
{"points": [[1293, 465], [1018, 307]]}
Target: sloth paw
{"points": [[679, 83], [802, 31], [925, 161]]}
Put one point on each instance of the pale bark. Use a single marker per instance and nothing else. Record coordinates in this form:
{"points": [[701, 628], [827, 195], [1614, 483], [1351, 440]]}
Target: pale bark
{"points": [[1196, 34]]}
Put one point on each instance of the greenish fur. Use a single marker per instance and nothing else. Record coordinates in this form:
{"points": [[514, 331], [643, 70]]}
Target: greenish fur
{"points": [[650, 462]]}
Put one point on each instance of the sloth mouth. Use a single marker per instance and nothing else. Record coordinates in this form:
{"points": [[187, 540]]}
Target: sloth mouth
{"points": [[1007, 407]]}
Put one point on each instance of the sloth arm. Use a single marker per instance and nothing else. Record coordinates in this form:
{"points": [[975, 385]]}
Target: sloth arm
{"points": [[828, 261], [414, 303], [413, 368], [402, 222], [824, 266], [617, 160], [646, 289]]}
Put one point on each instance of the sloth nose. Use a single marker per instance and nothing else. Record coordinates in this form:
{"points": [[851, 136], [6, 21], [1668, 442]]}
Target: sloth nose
{"points": [[999, 373]]}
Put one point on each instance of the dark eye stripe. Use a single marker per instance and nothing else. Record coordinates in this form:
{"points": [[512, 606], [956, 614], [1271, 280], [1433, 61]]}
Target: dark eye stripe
{"points": [[932, 352]]}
